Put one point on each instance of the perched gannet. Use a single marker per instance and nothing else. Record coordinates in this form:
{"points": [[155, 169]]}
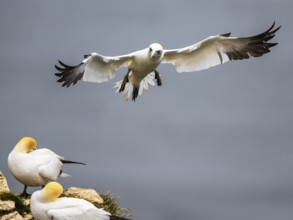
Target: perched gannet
{"points": [[45, 205], [35, 167], [142, 64]]}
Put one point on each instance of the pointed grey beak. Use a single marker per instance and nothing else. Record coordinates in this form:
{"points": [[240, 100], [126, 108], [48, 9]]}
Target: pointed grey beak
{"points": [[155, 53]]}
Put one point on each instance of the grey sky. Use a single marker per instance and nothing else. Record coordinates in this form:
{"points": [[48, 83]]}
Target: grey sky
{"points": [[209, 145]]}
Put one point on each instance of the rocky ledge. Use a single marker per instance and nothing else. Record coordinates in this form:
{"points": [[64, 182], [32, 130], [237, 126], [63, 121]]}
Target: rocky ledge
{"points": [[13, 207]]}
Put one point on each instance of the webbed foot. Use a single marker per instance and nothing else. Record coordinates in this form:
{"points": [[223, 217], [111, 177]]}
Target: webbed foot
{"points": [[158, 78]]}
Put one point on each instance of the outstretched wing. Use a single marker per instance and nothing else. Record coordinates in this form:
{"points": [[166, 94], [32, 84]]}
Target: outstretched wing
{"points": [[219, 49], [94, 68]]}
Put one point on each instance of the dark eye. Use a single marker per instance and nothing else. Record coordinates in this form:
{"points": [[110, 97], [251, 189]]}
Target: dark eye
{"points": [[151, 49], [159, 52]]}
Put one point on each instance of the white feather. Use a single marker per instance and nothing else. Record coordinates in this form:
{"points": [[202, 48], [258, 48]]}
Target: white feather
{"points": [[212, 51], [65, 209], [144, 85], [34, 168]]}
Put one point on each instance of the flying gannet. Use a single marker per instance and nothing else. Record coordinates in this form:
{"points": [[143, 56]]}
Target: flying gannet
{"points": [[142, 64], [45, 205], [35, 167]]}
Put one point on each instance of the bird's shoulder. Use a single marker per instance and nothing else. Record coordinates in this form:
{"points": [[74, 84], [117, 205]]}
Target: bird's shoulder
{"points": [[43, 152]]}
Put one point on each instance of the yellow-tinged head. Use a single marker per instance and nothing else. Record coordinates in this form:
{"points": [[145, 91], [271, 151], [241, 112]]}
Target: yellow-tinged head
{"points": [[51, 192], [26, 144]]}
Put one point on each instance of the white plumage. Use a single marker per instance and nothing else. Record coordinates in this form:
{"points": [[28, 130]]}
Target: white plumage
{"points": [[35, 167], [45, 205], [142, 64]]}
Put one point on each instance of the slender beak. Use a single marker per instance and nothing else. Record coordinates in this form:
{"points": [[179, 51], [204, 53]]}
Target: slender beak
{"points": [[155, 54]]}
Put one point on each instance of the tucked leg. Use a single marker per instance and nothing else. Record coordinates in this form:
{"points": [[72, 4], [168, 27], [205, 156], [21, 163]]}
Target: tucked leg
{"points": [[158, 78], [135, 93], [125, 80]]}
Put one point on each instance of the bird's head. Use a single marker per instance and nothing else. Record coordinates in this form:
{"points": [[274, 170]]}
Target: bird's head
{"points": [[155, 51], [26, 145], [51, 192]]}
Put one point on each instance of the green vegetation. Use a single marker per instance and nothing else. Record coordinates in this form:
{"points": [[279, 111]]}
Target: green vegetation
{"points": [[111, 205], [20, 207]]}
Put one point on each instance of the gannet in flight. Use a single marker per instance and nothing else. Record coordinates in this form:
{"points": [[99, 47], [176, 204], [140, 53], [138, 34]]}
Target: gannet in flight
{"points": [[35, 167], [142, 64], [45, 205]]}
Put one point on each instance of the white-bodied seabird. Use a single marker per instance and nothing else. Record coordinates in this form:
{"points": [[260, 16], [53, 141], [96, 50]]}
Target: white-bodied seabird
{"points": [[142, 64], [46, 205], [35, 167]]}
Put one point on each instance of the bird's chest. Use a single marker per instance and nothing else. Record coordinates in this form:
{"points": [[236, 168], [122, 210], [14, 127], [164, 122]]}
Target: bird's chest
{"points": [[142, 66]]}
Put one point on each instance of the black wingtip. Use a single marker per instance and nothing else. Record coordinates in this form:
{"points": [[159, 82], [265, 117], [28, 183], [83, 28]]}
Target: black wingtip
{"points": [[274, 31], [112, 217], [271, 30], [226, 35], [272, 44], [69, 75], [256, 45], [72, 162], [273, 25], [58, 68], [62, 64], [65, 65]]}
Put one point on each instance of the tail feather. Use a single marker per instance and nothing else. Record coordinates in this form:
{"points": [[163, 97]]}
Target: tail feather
{"points": [[132, 92], [62, 174], [112, 217], [69, 161]]}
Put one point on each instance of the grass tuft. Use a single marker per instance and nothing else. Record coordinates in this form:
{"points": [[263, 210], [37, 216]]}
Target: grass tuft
{"points": [[111, 205], [20, 207]]}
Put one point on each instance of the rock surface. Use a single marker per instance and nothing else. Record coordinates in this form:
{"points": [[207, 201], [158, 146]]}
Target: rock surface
{"points": [[7, 208], [8, 211], [90, 195], [3, 184]]}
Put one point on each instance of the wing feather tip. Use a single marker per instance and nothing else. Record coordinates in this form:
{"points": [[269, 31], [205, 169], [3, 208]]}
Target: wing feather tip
{"points": [[226, 35]]}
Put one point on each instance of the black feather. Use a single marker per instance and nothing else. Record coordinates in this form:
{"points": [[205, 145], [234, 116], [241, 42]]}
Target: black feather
{"points": [[69, 75], [69, 161], [117, 218]]}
